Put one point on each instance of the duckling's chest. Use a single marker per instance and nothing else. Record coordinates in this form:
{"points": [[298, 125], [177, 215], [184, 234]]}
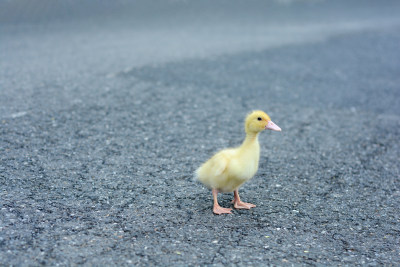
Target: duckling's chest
{"points": [[246, 163]]}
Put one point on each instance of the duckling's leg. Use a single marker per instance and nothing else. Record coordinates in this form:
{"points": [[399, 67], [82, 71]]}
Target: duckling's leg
{"points": [[238, 204], [217, 208]]}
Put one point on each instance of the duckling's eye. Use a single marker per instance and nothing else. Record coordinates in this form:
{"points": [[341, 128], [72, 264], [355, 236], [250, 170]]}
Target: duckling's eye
{"points": [[259, 118]]}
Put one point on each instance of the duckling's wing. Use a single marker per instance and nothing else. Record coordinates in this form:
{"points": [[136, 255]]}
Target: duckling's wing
{"points": [[213, 167], [219, 164]]}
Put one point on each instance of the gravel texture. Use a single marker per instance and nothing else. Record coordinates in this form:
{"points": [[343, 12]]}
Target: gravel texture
{"points": [[98, 144]]}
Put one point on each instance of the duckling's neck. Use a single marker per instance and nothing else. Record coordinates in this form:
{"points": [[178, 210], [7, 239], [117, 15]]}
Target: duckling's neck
{"points": [[250, 140]]}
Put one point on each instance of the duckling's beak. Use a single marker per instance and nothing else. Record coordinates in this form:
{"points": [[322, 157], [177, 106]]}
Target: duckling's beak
{"points": [[272, 126]]}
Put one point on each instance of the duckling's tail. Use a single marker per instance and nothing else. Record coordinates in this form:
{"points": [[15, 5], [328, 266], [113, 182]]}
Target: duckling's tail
{"points": [[196, 175]]}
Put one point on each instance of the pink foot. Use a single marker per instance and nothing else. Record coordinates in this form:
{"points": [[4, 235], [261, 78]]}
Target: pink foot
{"points": [[243, 205], [220, 210], [238, 204]]}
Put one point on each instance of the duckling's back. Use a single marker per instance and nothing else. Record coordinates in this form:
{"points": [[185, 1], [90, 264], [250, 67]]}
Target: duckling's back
{"points": [[211, 173]]}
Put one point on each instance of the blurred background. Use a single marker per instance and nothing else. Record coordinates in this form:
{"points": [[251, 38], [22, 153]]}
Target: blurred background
{"points": [[124, 34], [42, 39]]}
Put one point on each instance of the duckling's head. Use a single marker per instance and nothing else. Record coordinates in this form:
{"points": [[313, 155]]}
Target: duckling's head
{"points": [[258, 121]]}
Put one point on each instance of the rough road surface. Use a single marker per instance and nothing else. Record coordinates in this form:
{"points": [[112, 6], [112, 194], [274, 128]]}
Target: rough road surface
{"points": [[106, 111]]}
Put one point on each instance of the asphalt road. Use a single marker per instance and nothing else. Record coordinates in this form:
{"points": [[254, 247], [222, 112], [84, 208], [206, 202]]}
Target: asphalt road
{"points": [[106, 111]]}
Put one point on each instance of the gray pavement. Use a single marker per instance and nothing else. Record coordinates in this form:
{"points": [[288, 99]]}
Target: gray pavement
{"points": [[106, 111]]}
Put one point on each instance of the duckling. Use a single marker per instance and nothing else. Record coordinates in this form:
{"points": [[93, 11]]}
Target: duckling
{"points": [[228, 169]]}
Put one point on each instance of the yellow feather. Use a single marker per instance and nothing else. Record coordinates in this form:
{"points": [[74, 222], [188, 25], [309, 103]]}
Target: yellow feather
{"points": [[228, 169]]}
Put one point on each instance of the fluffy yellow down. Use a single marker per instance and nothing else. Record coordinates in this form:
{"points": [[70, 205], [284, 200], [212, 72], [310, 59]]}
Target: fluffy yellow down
{"points": [[230, 168]]}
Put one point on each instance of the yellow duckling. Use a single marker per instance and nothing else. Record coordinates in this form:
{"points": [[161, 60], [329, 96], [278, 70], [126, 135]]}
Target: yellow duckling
{"points": [[227, 170]]}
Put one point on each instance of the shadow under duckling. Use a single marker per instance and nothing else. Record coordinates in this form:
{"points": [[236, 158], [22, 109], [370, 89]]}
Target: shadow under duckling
{"points": [[228, 169]]}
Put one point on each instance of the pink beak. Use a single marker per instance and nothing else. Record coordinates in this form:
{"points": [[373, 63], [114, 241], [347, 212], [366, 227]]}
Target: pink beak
{"points": [[272, 126]]}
